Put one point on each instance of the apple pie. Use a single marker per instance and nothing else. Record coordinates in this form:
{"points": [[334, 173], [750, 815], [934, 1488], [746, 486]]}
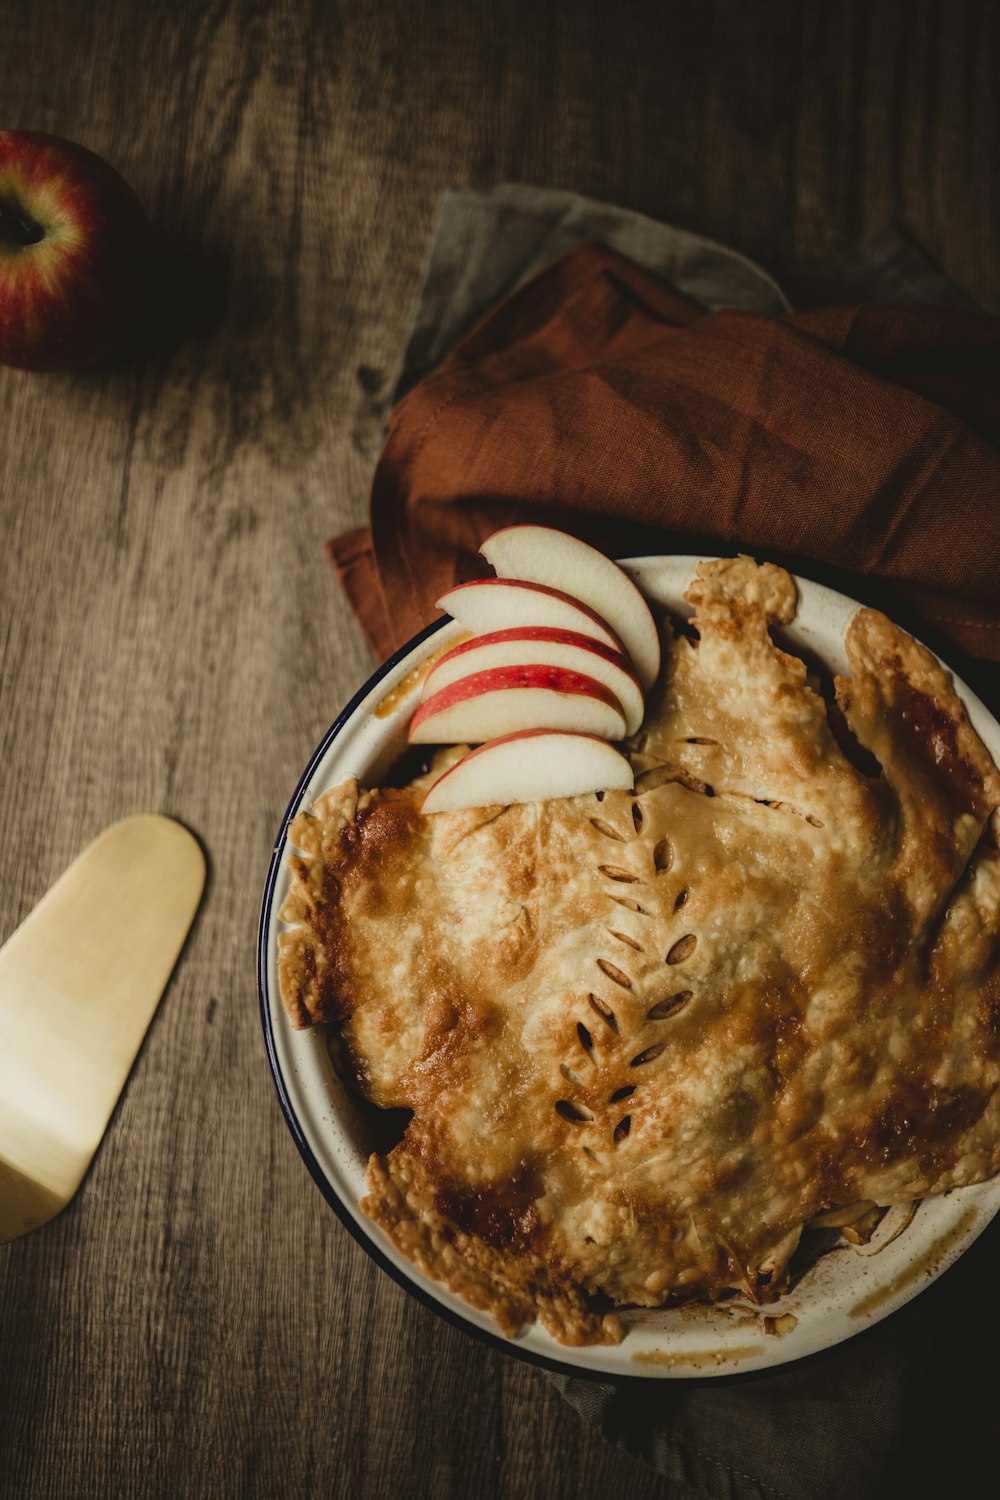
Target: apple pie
{"points": [[646, 1039]]}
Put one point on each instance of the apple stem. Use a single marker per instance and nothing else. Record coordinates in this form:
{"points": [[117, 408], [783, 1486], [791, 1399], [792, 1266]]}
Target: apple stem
{"points": [[17, 227]]}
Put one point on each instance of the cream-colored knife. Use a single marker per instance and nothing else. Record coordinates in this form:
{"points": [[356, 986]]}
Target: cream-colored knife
{"points": [[79, 982]]}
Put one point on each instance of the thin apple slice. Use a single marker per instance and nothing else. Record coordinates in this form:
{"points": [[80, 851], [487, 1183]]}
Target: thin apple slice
{"points": [[489, 604], [541, 645], [502, 701], [529, 767], [542, 555]]}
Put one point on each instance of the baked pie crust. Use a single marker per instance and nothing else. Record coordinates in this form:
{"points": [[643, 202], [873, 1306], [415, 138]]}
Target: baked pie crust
{"points": [[648, 1038]]}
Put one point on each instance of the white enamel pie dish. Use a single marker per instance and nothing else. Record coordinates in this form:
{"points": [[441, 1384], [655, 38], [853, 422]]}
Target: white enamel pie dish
{"points": [[843, 1293]]}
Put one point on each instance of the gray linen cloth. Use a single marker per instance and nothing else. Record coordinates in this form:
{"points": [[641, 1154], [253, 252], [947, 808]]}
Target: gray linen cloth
{"points": [[907, 1408]]}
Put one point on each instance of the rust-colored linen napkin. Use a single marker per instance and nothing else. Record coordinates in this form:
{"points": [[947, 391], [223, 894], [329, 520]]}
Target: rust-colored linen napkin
{"points": [[598, 398]]}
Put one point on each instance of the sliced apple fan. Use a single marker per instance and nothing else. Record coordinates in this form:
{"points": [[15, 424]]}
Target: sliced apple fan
{"points": [[547, 653]]}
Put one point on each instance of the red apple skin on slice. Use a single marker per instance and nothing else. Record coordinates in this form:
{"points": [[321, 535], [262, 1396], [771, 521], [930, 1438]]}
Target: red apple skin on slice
{"points": [[488, 705], [542, 555], [489, 604], [542, 645], [532, 766]]}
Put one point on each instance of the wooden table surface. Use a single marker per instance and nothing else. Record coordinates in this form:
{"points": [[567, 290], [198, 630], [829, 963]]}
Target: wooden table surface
{"points": [[197, 1323]]}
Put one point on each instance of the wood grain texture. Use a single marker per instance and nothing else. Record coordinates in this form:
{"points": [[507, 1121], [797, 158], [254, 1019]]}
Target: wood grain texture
{"points": [[197, 1323]]}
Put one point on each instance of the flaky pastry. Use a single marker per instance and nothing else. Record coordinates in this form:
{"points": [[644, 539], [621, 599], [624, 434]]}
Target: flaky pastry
{"points": [[646, 1038]]}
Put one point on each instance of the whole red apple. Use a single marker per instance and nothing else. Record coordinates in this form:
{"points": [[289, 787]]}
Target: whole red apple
{"points": [[75, 254]]}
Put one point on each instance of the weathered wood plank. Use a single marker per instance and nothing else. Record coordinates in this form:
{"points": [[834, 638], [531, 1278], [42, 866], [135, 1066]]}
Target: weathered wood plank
{"points": [[197, 1324]]}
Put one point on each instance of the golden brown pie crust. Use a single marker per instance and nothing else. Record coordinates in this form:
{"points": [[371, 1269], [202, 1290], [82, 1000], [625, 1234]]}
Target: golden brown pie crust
{"points": [[647, 1038]]}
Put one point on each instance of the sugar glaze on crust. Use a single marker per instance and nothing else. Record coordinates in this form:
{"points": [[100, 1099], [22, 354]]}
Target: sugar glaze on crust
{"points": [[647, 1038]]}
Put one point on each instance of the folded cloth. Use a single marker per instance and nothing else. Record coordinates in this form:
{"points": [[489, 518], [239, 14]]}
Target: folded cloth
{"points": [[596, 397], [857, 443], [486, 244]]}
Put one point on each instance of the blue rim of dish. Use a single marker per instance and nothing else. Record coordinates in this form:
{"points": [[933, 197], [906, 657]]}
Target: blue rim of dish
{"points": [[333, 1198]]}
